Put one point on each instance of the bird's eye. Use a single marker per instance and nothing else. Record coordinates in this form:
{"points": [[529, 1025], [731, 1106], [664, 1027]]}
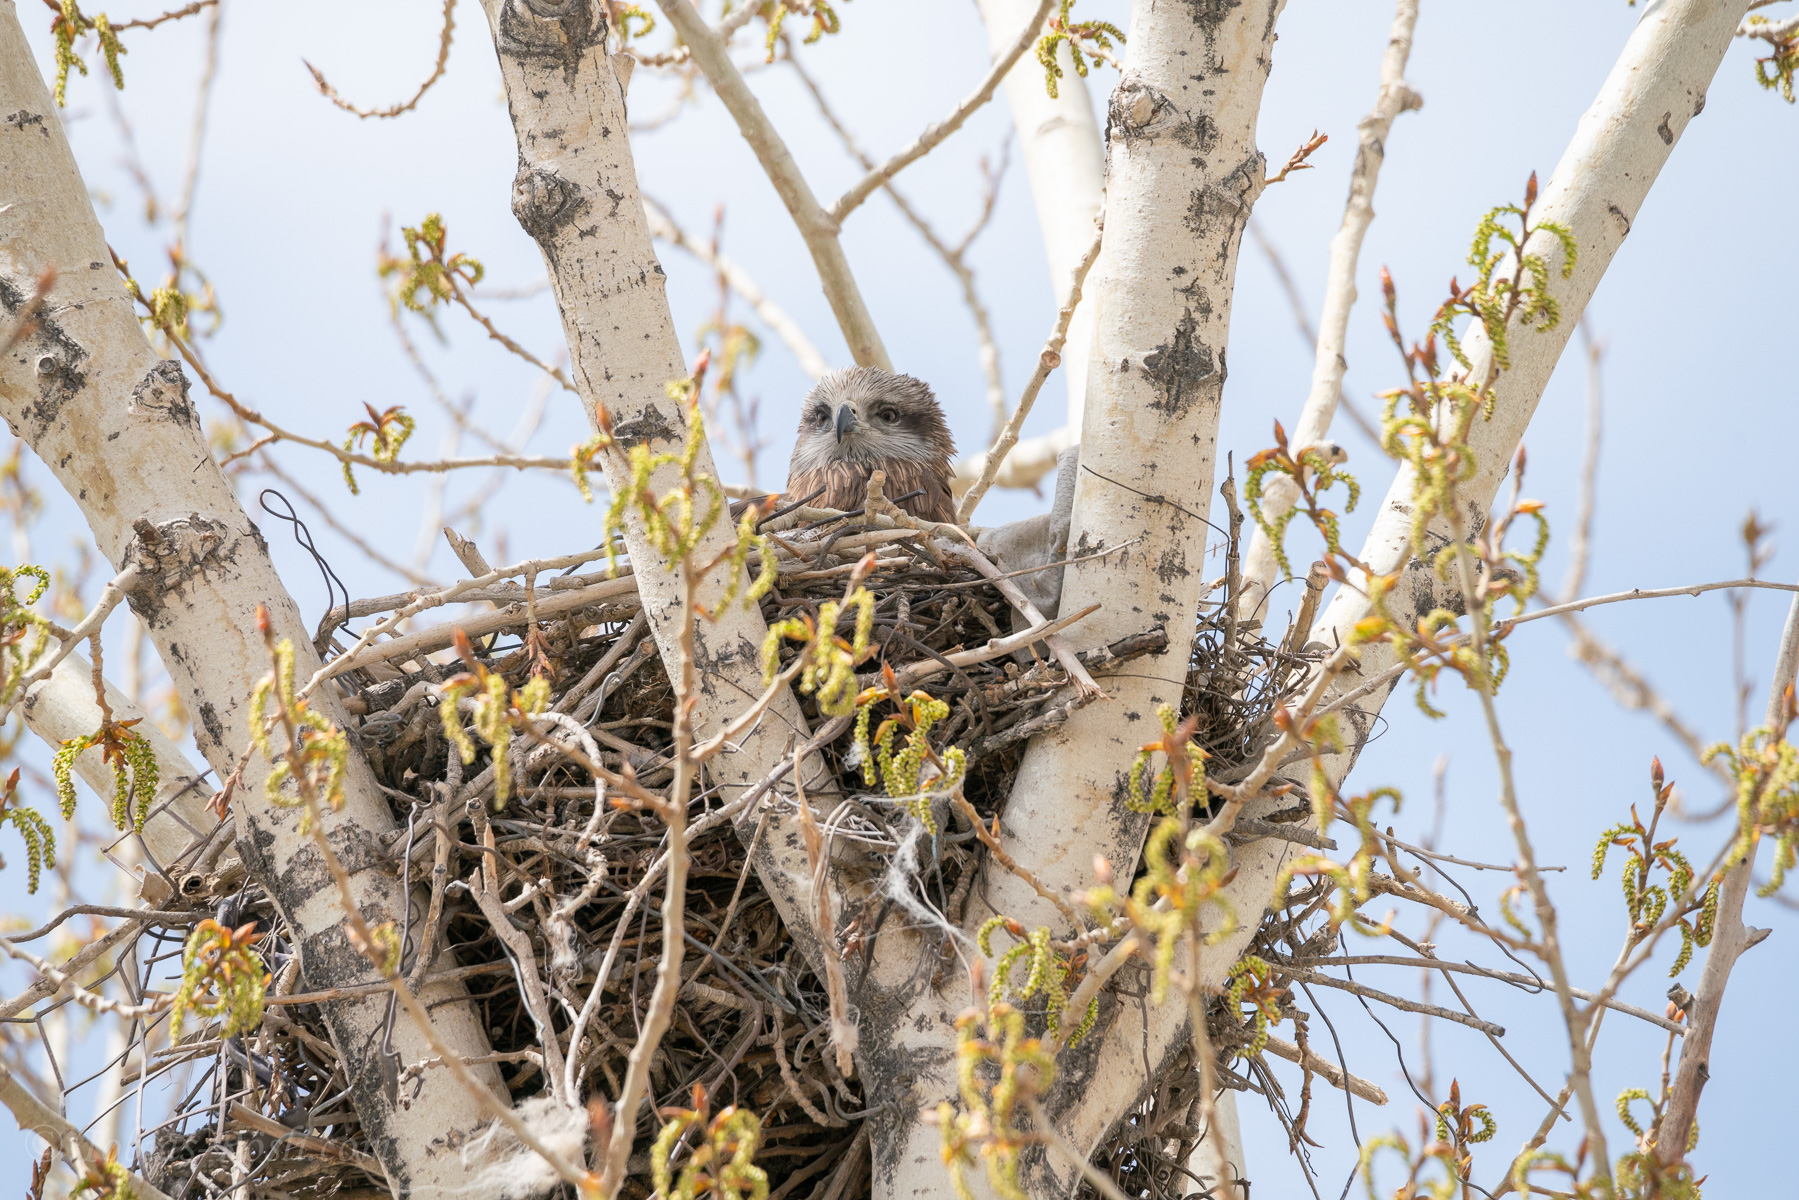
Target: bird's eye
{"points": [[888, 415], [820, 415]]}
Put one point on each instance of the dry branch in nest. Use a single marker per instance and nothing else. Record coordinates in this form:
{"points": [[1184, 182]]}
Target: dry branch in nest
{"points": [[547, 901]]}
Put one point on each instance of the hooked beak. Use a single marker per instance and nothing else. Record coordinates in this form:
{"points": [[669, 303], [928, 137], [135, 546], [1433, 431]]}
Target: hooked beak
{"points": [[846, 420]]}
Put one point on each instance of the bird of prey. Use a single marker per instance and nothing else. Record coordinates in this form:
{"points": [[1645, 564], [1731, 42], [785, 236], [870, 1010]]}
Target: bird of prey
{"points": [[861, 420]]}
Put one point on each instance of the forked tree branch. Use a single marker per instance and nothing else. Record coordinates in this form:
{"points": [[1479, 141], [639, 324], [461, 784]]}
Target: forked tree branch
{"points": [[35, 1116], [935, 134], [125, 416], [817, 228], [1730, 937], [1313, 427], [1622, 143]]}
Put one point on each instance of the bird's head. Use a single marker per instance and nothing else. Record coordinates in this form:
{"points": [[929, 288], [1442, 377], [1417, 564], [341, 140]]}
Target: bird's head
{"points": [[864, 414]]}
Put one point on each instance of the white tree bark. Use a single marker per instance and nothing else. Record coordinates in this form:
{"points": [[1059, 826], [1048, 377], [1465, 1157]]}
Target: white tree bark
{"points": [[115, 425], [1183, 173], [62, 707], [576, 194], [1032, 458], [1656, 88], [1065, 161], [1066, 165], [1314, 424], [1218, 1159]]}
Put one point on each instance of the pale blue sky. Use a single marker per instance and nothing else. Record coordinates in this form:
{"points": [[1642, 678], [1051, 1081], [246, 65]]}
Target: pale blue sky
{"points": [[1700, 412]]}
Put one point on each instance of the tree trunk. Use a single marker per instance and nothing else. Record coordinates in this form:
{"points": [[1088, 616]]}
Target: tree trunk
{"points": [[576, 193], [1623, 141], [1184, 171], [1065, 162], [115, 425]]}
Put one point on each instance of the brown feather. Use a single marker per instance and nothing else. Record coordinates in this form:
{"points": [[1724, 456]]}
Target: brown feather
{"points": [[895, 425], [845, 486]]}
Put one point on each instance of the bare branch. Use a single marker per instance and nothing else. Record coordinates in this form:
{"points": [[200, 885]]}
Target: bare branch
{"points": [[37, 1117], [935, 134], [664, 228], [279, 433], [1048, 360], [173, 15], [1330, 1071], [816, 227], [110, 597], [1330, 363], [1730, 937], [1404, 1005], [437, 70], [954, 257]]}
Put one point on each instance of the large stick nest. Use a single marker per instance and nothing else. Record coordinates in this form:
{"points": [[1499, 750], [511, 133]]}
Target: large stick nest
{"points": [[751, 1023]]}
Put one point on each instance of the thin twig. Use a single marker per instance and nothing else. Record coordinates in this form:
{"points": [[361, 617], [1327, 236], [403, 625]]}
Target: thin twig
{"points": [[1064, 655], [818, 230], [173, 15], [1330, 360], [33, 1114], [664, 228], [394, 110], [253, 417], [110, 596], [1334, 1075], [1550, 943], [954, 257], [1730, 937], [1447, 967], [1048, 360], [935, 134], [1429, 1010]]}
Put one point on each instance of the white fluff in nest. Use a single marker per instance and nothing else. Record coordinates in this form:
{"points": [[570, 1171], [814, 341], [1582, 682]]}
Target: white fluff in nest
{"points": [[506, 1169]]}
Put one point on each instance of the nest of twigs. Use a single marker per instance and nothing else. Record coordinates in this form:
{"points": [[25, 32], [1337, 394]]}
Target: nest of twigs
{"points": [[752, 1020]]}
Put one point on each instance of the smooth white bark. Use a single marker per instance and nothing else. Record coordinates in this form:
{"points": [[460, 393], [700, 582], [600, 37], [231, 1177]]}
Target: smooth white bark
{"points": [[1218, 1159], [1314, 424], [115, 425], [62, 707], [577, 195], [1656, 88], [1183, 173], [1066, 164]]}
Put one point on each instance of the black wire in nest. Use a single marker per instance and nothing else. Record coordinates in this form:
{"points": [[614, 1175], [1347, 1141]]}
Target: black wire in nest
{"points": [[303, 536]]}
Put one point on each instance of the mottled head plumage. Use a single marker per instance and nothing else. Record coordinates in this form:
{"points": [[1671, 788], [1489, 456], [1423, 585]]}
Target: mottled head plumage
{"points": [[862, 419], [862, 413]]}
